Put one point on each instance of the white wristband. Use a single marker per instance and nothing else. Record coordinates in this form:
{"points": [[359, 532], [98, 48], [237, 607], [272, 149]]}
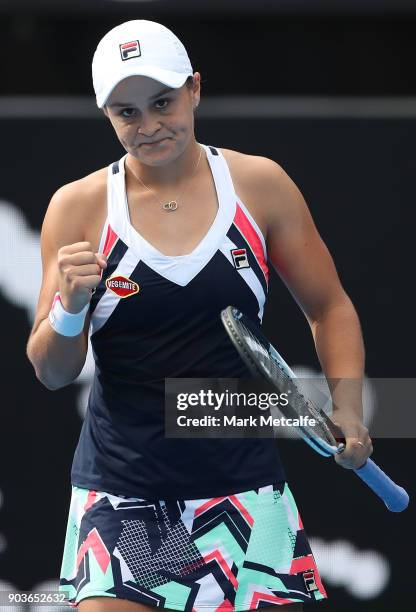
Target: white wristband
{"points": [[66, 323]]}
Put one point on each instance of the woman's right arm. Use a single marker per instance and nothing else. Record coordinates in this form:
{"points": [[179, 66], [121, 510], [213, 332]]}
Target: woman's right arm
{"points": [[71, 267]]}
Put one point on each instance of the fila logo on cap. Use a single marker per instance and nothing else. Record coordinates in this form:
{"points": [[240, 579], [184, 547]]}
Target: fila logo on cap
{"points": [[240, 258], [129, 50], [122, 286]]}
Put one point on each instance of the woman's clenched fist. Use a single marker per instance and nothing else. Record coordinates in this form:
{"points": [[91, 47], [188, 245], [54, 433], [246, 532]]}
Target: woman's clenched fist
{"points": [[80, 271]]}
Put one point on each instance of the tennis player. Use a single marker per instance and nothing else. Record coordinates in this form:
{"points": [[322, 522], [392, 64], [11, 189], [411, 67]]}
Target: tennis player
{"points": [[144, 254]]}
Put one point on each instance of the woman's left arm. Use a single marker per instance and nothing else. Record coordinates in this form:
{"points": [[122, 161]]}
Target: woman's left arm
{"points": [[302, 260]]}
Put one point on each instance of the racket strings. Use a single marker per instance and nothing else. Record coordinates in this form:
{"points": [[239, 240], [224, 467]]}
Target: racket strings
{"points": [[285, 383]]}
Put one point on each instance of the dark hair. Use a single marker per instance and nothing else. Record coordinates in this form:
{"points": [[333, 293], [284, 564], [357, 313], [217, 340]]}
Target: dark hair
{"points": [[189, 82]]}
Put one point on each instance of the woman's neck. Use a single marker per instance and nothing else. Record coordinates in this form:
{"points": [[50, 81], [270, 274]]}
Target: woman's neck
{"points": [[170, 174]]}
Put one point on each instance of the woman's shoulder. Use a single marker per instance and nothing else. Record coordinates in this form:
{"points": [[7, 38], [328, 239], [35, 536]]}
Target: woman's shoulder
{"points": [[87, 187], [252, 170], [82, 205], [257, 179]]}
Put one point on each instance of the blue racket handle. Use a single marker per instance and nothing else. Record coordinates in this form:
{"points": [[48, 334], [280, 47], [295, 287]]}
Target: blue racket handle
{"points": [[395, 497]]}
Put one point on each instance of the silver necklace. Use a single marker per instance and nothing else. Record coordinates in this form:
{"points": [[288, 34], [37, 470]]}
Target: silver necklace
{"points": [[172, 204]]}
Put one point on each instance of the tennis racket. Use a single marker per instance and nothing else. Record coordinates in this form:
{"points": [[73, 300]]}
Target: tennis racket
{"points": [[324, 437]]}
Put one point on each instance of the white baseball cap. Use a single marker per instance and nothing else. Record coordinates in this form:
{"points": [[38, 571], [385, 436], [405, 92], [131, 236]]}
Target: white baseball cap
{"points": [[138, 47]]}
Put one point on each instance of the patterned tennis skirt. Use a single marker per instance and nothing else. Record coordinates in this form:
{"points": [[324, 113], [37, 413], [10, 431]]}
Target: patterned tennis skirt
{"points": [[240, 552]]}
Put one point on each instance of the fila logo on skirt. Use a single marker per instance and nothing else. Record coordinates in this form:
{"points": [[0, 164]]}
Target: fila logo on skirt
{"points": [[309, 579], [122, 286], [129, 50], [240, 258]]}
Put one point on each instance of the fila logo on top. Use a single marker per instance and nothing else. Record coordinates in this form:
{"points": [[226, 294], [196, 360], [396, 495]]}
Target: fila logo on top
{"points": [[240, 258], [130, 49], [123, 287]]}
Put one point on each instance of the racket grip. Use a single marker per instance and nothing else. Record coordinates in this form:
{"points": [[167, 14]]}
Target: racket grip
{"points": [[395, 497]]}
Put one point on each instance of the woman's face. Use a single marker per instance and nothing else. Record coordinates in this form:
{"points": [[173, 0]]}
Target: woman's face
{"points": [[153, 122]]}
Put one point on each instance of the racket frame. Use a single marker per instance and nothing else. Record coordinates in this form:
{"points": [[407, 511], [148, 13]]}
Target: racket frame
{"points": [[231, 318]]}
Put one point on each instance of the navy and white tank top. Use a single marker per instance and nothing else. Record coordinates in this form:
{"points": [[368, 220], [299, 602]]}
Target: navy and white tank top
{"points": [[153, 317]]}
